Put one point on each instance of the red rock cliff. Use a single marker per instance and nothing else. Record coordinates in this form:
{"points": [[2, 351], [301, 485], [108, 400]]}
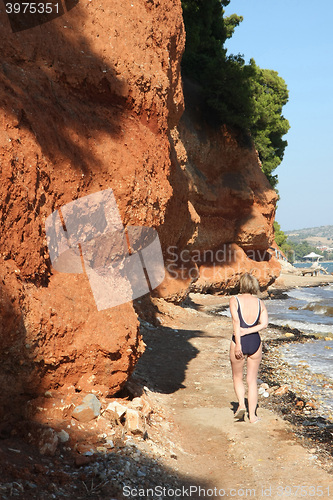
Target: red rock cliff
{"points": [[227, 226], [89, 101]]}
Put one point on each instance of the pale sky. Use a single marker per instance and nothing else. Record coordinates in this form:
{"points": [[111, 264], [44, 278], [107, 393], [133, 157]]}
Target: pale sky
{"points": [[296, 39]]}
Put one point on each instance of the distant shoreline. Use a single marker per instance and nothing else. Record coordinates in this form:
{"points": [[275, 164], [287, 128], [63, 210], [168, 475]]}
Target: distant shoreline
{"points": [[287, 281], [308, 262]]}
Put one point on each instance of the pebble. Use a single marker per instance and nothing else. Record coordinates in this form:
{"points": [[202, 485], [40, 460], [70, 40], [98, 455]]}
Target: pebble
{"points": [[272, 389], [282, 390], [310, 405], [63, 436], [48, 442], [81, 460]]}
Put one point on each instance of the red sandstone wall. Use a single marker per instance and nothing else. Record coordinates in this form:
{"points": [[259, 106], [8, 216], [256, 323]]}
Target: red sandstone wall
{"points": [[90, 101], [228, 228], [87, 101]]}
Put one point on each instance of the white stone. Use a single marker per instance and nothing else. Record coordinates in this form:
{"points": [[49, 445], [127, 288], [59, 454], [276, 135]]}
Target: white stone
{"points": [[63, 436], [135, 422], [88, 410], [117, 408], [136, 404]]}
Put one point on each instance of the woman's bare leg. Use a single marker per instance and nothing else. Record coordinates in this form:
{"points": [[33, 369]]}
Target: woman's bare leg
{"points": [[237, 366], [253, 363]]}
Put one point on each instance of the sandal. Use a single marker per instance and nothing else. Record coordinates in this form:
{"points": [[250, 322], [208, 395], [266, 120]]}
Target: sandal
{"points": [[240, 413], [256, 421]]}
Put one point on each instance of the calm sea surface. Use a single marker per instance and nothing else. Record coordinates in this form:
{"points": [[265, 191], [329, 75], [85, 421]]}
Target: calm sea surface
{"points": [[310, 310], [326, 265]]}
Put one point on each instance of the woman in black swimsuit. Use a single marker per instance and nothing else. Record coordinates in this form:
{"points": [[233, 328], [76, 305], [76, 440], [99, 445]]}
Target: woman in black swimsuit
{"points": [[249, 316]]}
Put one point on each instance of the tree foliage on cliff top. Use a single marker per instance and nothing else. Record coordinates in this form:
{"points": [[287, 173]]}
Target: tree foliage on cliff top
{"points": [[237, 94], [268, 125]]}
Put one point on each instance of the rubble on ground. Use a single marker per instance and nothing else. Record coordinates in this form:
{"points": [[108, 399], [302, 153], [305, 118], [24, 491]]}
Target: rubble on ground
{"points": [[90, 445]]}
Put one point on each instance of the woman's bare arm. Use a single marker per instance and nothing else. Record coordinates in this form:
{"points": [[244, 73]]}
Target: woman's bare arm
{"points": [[236, 326]]}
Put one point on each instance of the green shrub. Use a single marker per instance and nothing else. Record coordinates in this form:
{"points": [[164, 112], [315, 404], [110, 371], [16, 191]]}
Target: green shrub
{"points": [[234, 93]]}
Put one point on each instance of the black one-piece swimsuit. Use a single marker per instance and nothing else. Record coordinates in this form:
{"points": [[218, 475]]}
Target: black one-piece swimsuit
{"points": [[250, 342]]}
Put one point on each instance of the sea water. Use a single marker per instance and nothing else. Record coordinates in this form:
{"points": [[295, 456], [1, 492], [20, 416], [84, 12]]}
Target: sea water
{"points": [[326, 265], [311, 311], [308, 309]]}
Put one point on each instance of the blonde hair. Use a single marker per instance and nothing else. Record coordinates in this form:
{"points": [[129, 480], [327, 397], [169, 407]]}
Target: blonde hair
{"points": [[249, 284]]}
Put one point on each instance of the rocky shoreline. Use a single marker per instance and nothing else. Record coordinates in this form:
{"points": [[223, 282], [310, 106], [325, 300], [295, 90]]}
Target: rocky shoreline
{"points": [[298, 401], [295, 398]]}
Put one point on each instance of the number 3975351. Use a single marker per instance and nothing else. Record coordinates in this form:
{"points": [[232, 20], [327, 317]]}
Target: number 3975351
{"points": [[32, 8]]}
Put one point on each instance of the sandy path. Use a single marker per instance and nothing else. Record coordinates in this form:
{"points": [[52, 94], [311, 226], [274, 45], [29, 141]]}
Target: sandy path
{"points": [[187, 358]]}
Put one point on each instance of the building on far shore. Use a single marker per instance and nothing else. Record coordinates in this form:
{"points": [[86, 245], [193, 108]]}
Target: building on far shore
{"points": [[324, 248]]}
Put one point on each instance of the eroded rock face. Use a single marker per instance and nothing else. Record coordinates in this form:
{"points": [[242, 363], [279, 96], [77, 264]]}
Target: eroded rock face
{"points": [[87, 102], [228, 228], [92, 101]]}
